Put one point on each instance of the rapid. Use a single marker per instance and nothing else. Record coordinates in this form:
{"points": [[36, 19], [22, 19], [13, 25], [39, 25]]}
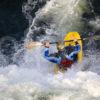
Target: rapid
{"points": [[31, 77]]}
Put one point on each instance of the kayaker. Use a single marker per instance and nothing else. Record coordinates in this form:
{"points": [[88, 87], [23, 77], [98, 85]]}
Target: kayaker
{"points": [[64, 57]]}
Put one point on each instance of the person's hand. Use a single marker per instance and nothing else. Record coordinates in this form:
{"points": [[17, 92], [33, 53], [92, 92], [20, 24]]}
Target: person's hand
{"points": [[59, 46], [46, 44]]}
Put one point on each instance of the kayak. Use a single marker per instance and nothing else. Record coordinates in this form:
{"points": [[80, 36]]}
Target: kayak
{"points": [[69, 40], [72, 36]]}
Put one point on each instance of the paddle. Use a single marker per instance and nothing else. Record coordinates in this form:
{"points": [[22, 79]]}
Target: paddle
{"points": [[30, 45]]}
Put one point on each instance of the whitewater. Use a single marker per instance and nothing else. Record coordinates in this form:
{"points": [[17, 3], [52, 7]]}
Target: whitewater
{"points": [[31, 77]]}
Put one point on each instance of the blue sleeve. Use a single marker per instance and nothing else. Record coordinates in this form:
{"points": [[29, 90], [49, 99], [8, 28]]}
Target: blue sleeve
{"points": [[46, 52], [49, 58], [77, 48]]}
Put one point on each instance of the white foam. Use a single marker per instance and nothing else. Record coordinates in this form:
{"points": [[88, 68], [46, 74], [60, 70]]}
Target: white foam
{"points": [[25, 83]]}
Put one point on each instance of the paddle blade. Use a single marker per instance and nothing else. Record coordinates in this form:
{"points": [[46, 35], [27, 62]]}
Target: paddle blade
{"points": [[31, 45]]}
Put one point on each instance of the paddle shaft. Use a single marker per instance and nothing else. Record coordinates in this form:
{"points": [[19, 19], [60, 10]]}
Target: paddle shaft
{"points": [[33, 44]]}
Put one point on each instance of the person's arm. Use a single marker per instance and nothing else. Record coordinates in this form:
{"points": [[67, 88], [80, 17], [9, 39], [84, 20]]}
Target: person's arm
{"points": [[76, 51], [51, 58], [77, 48], [46, 52]]}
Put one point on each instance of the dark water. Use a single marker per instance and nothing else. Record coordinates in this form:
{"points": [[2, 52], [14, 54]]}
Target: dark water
{"points": [[96, 4], [13, 22]]}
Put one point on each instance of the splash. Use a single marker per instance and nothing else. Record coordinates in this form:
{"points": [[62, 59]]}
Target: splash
{"points": [[58, 17], [95, 23], [32, 77], [25, 84]]}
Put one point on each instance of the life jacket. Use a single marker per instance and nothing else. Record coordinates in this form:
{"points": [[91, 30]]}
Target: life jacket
{"points": [[66, 63], [69, 49], [59, 54]]}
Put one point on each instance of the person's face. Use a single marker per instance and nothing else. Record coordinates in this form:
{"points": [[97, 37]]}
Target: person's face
{"points": [[47, 44]]}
